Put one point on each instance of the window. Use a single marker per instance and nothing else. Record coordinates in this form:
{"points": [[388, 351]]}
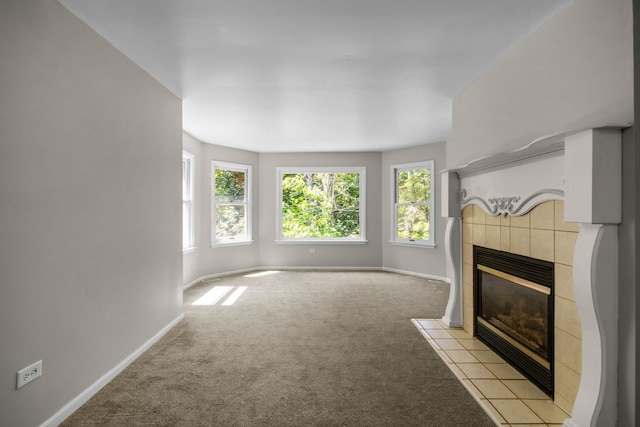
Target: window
{"points": [[412, 210], [231, 203], [188, 239], [321, 205]]}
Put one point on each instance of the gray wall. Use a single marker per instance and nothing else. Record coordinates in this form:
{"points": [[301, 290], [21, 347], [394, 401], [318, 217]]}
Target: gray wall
{"points": [[327, 255], [575, 72], [427, 261], [232, 258], [191, 259], [204, 260], [628, 279], [90, 243]]}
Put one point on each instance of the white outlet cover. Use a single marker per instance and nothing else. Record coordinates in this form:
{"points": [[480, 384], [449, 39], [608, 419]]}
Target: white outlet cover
{"points": [[28, 374]]}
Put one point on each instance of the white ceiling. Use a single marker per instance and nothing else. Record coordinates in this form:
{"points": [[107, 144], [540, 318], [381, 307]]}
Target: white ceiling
{"points": [[315, 75]]}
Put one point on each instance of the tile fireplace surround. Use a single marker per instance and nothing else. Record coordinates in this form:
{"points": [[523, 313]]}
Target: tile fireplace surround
{"points": [[557, 199]]}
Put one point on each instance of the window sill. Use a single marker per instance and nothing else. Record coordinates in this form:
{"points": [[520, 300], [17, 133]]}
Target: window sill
{"points": [[321, 242], [414, 245], [231, 243], [190, 250]]}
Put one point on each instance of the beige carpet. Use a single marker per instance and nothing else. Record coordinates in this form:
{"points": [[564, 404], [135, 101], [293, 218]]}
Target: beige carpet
{"points": [[295, 349]]}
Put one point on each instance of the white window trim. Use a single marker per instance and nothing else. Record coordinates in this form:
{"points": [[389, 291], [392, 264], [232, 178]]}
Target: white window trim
{"points": [[190, 159], [431, 243], [362, 170], [247, 169]]}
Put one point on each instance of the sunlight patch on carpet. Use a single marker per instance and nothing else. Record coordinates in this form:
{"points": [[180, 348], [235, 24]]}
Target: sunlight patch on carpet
{"points": [[235, 295], [213, 296]]}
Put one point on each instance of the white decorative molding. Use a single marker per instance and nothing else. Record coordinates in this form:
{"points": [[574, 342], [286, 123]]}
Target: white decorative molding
{"points": [[453, 250], [511, 205], [595, 277]]}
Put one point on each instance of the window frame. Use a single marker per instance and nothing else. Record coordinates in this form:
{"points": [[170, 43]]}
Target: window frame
{"points": [[394, 169], [238, 167], [188, 160], [361, 170]]}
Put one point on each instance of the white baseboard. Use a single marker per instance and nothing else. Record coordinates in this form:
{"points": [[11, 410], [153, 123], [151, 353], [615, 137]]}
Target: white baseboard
{"points": [[311, 268], [411, 273], [251, 269], [83, 397], [216, 275], [322, 268]]}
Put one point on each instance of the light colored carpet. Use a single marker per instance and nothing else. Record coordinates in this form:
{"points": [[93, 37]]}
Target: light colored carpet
{"points": [[296, 349]]}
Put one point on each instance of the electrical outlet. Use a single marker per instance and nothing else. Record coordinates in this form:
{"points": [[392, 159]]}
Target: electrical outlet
{"points": [[28, 374], [312, 251]]}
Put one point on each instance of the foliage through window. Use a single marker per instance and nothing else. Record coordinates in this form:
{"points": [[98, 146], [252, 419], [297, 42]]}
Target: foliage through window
{"points": [[321, 204], [412, 216], [187, 202], [231, 210]]}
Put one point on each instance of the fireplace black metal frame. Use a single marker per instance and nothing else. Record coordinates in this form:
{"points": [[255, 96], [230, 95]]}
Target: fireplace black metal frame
{"points": [[533, 270]]}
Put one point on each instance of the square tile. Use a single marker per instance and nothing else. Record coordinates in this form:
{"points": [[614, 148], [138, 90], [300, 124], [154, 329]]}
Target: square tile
{"points": [[438, 333], [568, 350], [505, 239], [504, 371], [444, 356], [546, 410], [493, 389], [567, 317], [542, 244], [567, 382], [520, 241], [563, 277], [459, 333], [449, 344], [515, 412], [542, 216], [492, 412], [467, 252], [524, 389], [467, 232], [486, 356], [479, 234], [562, 403], [521, 221], [425, 334], [565, 243], [492, 236], [473, 344], [467, 214], [479, 215], [467, 274], [492, 219], [472, 389], [505, 220], [429, 323], [461, 356], [457, 372], [475, 371]]}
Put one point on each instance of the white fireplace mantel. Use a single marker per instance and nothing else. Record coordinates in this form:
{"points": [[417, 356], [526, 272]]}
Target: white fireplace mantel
{"points": [[583, 169]]}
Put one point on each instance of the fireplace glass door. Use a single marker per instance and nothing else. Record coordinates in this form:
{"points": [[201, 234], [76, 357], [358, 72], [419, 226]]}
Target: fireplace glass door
{"points": [[514, 311], [517, 308]]}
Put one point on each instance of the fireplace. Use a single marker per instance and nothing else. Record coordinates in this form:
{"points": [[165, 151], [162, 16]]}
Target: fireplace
{"points": [[514, 311]]}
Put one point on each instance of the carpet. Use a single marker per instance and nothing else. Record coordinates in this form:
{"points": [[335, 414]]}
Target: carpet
{"points": [[297, 348]]}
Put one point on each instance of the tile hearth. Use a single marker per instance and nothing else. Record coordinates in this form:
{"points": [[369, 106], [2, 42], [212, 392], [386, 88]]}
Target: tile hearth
{"points": [[508, 397]]}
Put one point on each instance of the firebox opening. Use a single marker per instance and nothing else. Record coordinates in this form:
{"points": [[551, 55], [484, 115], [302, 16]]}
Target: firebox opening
{"points": [[514, 311]]}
